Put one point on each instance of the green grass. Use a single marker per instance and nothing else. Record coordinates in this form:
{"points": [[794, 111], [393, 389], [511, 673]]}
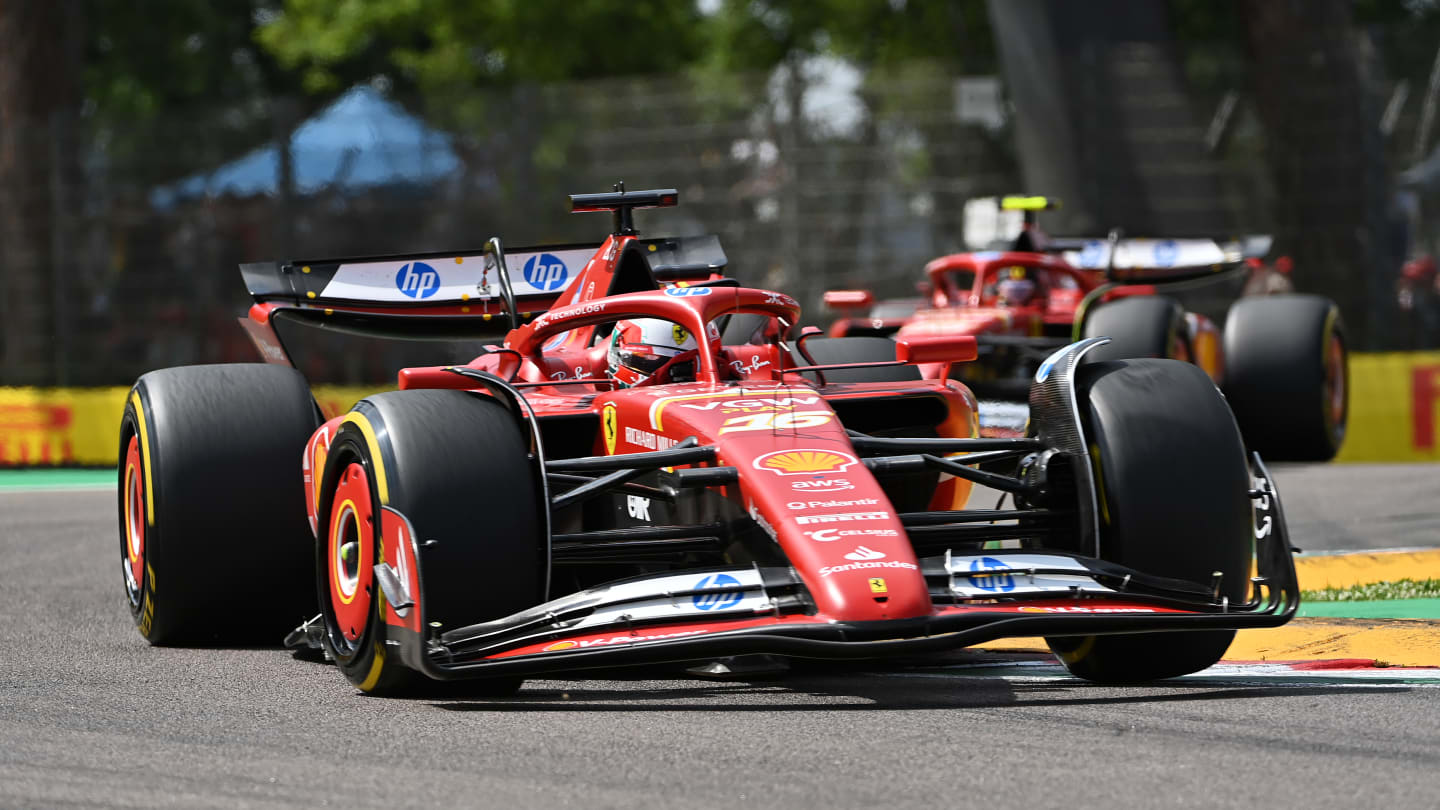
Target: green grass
{"points": [[1402, 589]]}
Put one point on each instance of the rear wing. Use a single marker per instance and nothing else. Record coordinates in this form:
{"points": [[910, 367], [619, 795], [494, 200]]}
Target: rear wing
{"points": [[999, 223], [421, 279], [456, 278], [1160, 255]]}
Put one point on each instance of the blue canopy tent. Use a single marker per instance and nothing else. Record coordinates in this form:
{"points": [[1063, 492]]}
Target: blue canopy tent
{"points": [[360, 141]]}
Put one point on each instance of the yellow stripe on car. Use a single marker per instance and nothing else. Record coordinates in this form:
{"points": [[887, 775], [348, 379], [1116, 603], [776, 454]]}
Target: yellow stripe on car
{"points": [[377, 464]]}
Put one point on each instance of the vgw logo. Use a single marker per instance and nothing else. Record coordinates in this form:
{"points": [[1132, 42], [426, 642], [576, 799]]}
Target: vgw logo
{"points": [[417, 280], [716, 600], [546, 272]]}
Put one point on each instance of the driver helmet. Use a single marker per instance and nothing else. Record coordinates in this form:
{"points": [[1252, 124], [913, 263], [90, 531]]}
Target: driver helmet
{"points": [[642, 346], [1016, 292]]}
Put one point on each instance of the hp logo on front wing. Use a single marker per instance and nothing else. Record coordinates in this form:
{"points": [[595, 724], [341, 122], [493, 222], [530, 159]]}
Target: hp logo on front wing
{"points": [[716, 600]]}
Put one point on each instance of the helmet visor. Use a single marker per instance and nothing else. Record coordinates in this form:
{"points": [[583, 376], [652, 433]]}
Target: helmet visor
{"points": [[645, 361]]}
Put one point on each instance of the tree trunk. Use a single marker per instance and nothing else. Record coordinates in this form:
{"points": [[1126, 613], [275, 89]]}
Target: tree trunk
{"points": [[1325, 156], [40, 43]]}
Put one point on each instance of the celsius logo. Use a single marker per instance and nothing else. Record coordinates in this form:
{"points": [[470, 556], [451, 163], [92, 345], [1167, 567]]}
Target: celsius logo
{"points": [[716, 601], [417, 280], [546, 272]]}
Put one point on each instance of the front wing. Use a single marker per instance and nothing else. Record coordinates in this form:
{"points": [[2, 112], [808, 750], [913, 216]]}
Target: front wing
{"points": [[977, 597]]}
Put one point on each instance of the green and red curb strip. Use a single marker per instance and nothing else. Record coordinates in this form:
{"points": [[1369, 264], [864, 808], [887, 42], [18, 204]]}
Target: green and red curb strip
{"points": [[1399, 632]]}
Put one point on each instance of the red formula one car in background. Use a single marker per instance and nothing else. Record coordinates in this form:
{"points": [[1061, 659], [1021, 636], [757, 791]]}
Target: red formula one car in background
{"points": [[614, 482], [1281, 359]]}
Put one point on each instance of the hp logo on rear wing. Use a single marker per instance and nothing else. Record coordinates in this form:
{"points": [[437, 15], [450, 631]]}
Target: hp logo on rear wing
{"points": [[417, 280]]}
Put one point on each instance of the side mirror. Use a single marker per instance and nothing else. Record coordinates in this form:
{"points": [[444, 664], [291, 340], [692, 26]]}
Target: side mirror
{"points": [[936, 349], [849, 299], [433, 377]]}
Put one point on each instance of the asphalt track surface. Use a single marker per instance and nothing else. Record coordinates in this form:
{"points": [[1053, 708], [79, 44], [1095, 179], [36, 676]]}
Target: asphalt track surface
{"points": [[91, 716]]}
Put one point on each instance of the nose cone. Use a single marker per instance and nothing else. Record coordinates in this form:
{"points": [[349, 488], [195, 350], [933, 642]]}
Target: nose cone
{"points": [[838, 529], [802, 483]]}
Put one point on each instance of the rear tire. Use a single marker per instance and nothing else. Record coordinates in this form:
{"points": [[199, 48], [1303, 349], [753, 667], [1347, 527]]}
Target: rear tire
{"points": [[1143, 326], [1286, 375], [214, 544], [1173, 487], [458, 466]]}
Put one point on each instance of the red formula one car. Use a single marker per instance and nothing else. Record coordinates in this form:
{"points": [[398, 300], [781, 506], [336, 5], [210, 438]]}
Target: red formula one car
{"points": [[1281, 360], [616, 483]]}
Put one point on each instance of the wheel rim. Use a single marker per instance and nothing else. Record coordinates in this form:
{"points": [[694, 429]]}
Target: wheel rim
{"points": [[133, 544], [349, 553], [1335, 390]]}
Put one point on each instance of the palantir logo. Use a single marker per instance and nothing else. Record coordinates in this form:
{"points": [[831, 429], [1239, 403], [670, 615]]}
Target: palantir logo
{"points": [[991, 582], [546, 272], [716, 600], [417, 280]]}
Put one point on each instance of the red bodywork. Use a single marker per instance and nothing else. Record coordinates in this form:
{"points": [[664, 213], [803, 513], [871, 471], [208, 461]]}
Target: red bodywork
{"points": [[798, 474], [775, 427], [961, 299]]}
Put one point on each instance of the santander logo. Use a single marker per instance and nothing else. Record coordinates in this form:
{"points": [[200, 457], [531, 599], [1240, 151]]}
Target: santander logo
{"points": [[863, 554]]}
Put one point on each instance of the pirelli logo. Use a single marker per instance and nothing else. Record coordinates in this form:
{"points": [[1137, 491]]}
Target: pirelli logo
{"points": [[842, 517]]}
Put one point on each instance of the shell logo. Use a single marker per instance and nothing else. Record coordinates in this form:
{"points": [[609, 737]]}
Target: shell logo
{"points": [[560, 645], [804, 462]]}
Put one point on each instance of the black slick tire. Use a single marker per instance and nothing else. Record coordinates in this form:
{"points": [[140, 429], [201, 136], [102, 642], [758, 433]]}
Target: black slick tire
{"points": [[1173, 486], [459, 468], [1142, 326], [1286, 376], [215, 548]]}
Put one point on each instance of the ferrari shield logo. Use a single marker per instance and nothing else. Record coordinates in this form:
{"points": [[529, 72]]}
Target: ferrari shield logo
{"points": [[607, 424], [877, 585]]}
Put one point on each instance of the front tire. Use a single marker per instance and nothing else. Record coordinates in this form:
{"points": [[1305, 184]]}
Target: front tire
{"points": [[1173, 489], [460, 469], [214, 544]]}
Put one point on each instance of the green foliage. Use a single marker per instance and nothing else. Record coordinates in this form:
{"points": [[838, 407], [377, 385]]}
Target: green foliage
{"points": [[760, 34], [1402, 589], [441, 46], [149, 67]]}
